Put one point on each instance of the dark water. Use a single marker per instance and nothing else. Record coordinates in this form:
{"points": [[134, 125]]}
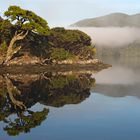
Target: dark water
{"points": [[72, 106]]}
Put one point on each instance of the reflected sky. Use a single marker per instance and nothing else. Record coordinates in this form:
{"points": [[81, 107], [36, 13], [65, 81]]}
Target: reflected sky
{"points": [[99, 117]]}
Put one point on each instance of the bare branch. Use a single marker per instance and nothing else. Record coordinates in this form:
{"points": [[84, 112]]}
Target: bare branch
{"points": [[10, 89], [21, 36], [16, 50], [20, 33], [11, 51], [42, 76]]}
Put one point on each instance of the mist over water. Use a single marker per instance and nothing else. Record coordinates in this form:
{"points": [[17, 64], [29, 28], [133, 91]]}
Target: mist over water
{"points": [[112, 36]]}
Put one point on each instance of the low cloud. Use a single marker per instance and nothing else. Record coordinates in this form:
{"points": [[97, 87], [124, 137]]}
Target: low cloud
{"points": [[113, 36]]}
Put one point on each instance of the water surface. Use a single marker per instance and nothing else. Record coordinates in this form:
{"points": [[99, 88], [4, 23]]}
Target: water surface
{"points": [[60, 106]]}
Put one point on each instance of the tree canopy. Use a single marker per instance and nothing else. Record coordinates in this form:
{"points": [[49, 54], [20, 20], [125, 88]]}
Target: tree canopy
{"points": [[23, 22], [26, 20]]}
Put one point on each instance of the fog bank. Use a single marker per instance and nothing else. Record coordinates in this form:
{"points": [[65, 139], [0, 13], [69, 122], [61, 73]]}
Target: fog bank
{"points": [[117, 75], [112, 36]]}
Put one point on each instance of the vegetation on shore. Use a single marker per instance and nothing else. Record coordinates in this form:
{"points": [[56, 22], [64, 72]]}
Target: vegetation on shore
{"points": [[26, 37]]}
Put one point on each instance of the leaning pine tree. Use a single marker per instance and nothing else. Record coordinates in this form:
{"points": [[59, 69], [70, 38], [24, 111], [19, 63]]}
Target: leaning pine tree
{"points": [[23, 21]]}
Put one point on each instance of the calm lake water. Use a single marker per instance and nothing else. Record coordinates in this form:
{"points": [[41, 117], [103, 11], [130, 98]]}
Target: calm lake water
{"points": [[73, 106]]}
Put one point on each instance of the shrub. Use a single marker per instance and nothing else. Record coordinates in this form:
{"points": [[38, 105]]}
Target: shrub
{"points": [[59, 54], [87, 52], [70, 40]]}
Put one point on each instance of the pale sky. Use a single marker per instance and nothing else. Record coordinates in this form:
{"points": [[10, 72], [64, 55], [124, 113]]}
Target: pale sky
{"points": [[66, 12]]}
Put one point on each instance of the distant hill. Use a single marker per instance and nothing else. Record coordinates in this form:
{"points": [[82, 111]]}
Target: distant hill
{"points": [[115, 20]]}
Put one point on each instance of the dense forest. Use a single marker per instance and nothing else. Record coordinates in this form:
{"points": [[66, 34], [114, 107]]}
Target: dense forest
{"points": [[26, 38]]}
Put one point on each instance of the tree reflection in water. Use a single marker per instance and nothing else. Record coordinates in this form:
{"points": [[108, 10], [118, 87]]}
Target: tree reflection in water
{"points": [[18, 93]]}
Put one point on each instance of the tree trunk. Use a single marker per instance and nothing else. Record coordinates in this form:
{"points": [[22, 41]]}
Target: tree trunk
{"points": [[11, 51], [11, 91]]}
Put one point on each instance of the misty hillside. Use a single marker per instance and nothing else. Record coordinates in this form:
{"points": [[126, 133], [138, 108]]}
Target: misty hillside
{"points": [[114, 20], [131, 50]]}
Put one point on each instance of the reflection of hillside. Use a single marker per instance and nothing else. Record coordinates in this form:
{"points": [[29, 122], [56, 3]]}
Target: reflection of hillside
{"points": [[18, 93], [55, 90], [117, 90], [131, 50]]}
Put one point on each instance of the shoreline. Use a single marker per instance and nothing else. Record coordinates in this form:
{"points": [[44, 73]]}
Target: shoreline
{"points": [[37, 68]]}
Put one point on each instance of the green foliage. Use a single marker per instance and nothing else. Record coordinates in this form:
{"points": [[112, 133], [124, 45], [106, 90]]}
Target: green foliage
{"points": [[59, 54], [4, 24], [26, 20], [87, 52], [75, 42], [6, 30], [61, 81], [25, 123], [69, 89], [3, 47], [70, 40]]}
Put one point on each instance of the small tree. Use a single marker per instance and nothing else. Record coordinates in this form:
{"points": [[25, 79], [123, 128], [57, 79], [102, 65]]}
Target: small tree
{"points": [[23, 21]]}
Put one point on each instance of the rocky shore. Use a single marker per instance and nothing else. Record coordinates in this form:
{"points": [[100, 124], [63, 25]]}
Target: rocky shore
{"points": [[38, 68]]}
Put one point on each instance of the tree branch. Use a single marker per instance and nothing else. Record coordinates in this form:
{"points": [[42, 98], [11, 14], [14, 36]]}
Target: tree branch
{"points": [[10, 89], [21, 35], [11, 51]]}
